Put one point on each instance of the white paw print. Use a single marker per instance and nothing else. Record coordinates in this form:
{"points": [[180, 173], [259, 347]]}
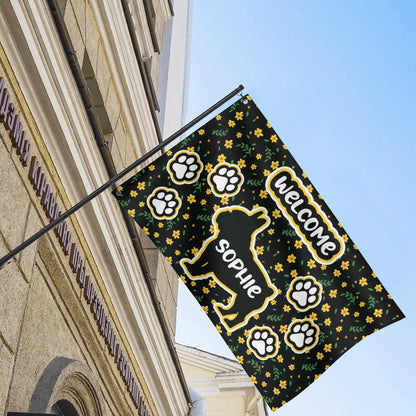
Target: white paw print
{"points": [[263, 342], [185, 167], [225, 179], [304, 293], [302, 335], [164, 203]]}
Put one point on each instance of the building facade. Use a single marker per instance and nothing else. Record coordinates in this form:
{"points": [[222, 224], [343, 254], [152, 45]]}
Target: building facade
{"points": [[87, 312], [219, 386]]}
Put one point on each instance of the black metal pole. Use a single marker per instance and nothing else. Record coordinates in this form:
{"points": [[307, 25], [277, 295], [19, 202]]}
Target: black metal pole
{"points": [[115, 178]]}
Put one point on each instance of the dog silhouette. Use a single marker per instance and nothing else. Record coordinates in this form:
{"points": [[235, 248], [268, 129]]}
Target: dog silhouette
{"points": [[230, 257]]}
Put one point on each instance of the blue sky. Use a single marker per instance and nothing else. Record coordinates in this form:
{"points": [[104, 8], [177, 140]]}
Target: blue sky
{"points": [[336, 80]]}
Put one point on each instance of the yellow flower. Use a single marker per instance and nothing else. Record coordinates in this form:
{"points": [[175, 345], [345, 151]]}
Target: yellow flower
{"points": [[258, 132], [212, 283], [313, 316], [239, 115], [238, 135], [133, 194], [266, 172], [273, 138], [169, 241], [263, 193], [253, 379], [291, 258], [274, 165], [286, 308], [156, 234], [169, 259], [241, 163], [298, 244], [319, 355], [119, 188], [282, 384], [264, 384], [333, 293], [268, 375], [253, 166], [141, 186], [219, 329], [224, 200], [259, 156], [369, 319], [294, 273], [185, 216], [345, 311], [205, 290], [152, 168], [276, 391], [208, 167], [378, 288], [276, 213], [194, 251], [378, 313], [363, 281], [278, 267], [337, 273], [146, 230], [176, 234], [191, 198], [327, 322], [270, 231], [259, 250], [141, 204], [309, 188], [201, 132], [205, 308], [326, 307], [345, 237], [221, 158], [283, 329], [291, 367], [231, 123], [240, 359], [311, 264], [338, 328], [327, 347], [132, 212], [203, 201], [345, 265], [280, 358], [218, 117], [228, 144], [160, 225], [241, 340]]}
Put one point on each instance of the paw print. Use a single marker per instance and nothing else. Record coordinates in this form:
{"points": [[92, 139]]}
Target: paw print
{"points": [[302, 335], [225, 179], [263, 342], [304, 293], [164, 203], [185, 167]]}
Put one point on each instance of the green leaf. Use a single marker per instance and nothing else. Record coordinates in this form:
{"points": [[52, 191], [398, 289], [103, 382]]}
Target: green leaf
{"points": [[309, 367]]}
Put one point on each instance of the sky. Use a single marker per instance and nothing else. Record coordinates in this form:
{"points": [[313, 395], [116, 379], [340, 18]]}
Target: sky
{"points": [[336, 80]]}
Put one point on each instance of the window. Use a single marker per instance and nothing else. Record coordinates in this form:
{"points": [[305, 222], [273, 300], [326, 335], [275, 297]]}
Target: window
{"points": [[64, 408]]}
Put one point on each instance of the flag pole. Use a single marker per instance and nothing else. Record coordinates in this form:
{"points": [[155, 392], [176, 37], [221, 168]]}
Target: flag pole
{"points": [[7, 258]]}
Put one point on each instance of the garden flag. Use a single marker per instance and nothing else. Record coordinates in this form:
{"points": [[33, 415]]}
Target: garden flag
{"points": [[259, 249]]}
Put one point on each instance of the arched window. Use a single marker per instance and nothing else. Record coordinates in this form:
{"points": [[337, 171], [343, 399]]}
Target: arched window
{"points": [[64, 408]]}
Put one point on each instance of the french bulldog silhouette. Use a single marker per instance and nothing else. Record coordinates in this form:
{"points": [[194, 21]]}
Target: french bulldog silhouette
{"points": [[230, 257]]}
